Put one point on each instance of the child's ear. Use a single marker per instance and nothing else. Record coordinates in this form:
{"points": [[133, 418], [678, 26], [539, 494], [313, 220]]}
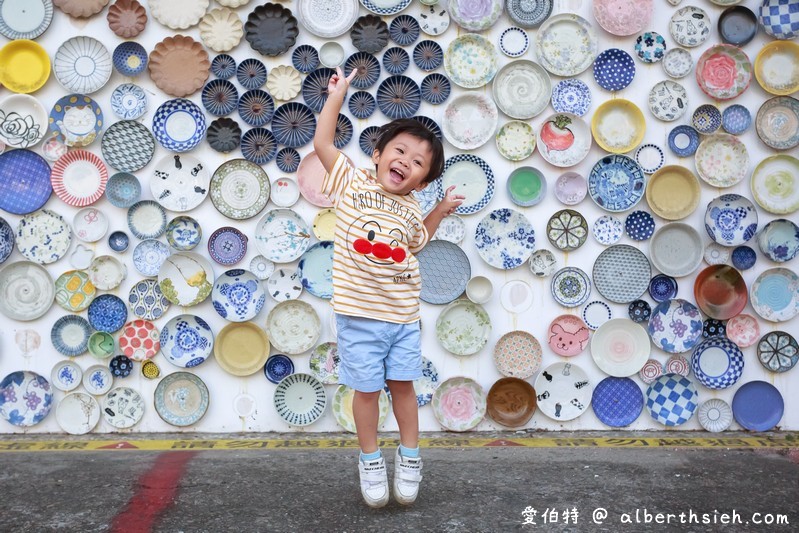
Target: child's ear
{"points": [[375, 157]]}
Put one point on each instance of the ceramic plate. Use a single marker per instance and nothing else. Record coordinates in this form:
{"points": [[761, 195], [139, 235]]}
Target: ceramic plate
{"points": [[106, 272], [24, 181], [673, 192], [293, 327], [66, 375], [543, 263], [511, 402], [778, 351], [570, 287], [70, 336], [566, 44], [516, 296], [300, 399], [342, 407], [82, 65], [445, 270], [526, 186], [672, 399], [621, 273], [180, 182], [505, 239], [571, 96], [517, 354], [668, 100], [324, 224], [404, 30], [775, 294], [129, 101], [513, 42], [277, 367], [596, 313], [623, 18], [617, 402], [147, 301], [181, 399], [571, 188], [650, 47], [79, 178], [471, 61], [717, 363], [614, 69], [310, 175], [451, 229], [327, 19], [179, 125], [564, 139], [97, 380], [516, 140], [568, 335], [238, 295], [315, 269], [675, 326], [77, 413], [75, 120], [607, 230], [459, 404], [475, 17], [23, 121], [722, 160], [563, 391], [434, 19], [777, 122], [474, 179], [567, 230], [27, 66], [284, 284], [618, 126], [522, 89], [227, 246], [616, 183], [470, 120], [723, 71], [715, 415], [186, 278], [239, 189], [127, 145], [282, 235], [324, 363], [758, 406], [690, 26], [240, 348], [779, 240], [676, 249], [43, 236], [123, 408], [27, 398], [25, 20], [720, 292], [775, 67], [74, 291], [463, 327], [774, 184]]}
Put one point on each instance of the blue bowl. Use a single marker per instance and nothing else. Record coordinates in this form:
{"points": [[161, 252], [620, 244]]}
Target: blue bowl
{"points": [[130, 58], [123, 190], [118, 241]]}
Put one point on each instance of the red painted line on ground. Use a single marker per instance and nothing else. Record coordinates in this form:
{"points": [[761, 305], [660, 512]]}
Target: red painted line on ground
{"points": [[155, 493]]}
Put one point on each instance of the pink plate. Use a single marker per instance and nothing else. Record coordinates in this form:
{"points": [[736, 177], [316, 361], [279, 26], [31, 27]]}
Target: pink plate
{"points": [[623, 17], [310, 175], [743, 330], [651, 371], [140, 340], [723, 71], [568, 335], [677, 364], [79, 178]]}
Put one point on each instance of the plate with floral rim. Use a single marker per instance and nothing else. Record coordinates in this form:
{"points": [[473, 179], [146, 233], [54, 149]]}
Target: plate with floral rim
{"points": [[459, 404], [471, 61], [470, 120], [505, 238], [566, 44]]}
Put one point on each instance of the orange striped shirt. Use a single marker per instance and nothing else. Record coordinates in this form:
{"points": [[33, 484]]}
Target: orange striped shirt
{"points": [[375, 274]]}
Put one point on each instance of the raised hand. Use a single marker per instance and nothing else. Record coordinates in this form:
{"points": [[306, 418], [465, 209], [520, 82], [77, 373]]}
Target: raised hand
{"points": [[451, 201], [338, 84]]}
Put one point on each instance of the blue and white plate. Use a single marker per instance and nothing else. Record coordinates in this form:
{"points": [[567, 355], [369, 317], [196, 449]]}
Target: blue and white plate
{"points": [[427, 198], [570, 287], [187, 341], [66, 375], [6, 240], [662, 288], [314, 88], [294, 124], [305, 58], [650, 47], [288, 160], [396, 60], [181, 399], [621, 273], [147, 301], [108, 313], [731, 219], [82, 65], [505, 238], [607, 230], [778, 351], [614, 69], [127, 145], [428, 55], [684, 140], [362, 105], [617, 402], [123, 190], [179, 125], [368, 68], [473, 178], [758, 406], [343, 133], [24, 181], [435, 88], [277, 367], [26, 398], [675, 326], [383, 7], [706, 119], [513, 42], [639, 225], [21, 20], [219, 97], [227, 245], [779, 240], [736, 119], [445, 271], [596, 313], [259, 145], [147, 219], [223, 66], [404, 30], [183, 233], [639, 311], [368, 139], [70, 335], [149, 255], [315, 270], [76, 120], [238, 295], [130, 58], [672, 399], [251, 73], [650, 157], [712, 327], [398, 97], [282, 235], [571, 96], [129, 101], [256, 107], [616, 183], [121, 366], [780, 19], [743, 257], [717, 363]]}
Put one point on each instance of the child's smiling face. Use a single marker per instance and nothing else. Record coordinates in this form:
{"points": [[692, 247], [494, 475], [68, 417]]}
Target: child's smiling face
{"points": [[403, 165]]}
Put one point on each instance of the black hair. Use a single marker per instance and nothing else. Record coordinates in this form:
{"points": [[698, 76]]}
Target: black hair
{"points": [[415, 128]]}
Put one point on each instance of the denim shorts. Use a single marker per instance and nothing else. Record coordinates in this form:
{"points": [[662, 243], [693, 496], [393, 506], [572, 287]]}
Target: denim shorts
{"points": [[373, 351]]}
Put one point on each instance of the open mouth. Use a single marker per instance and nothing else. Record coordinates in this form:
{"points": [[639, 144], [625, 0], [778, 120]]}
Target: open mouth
{"points": [[396, 175]]}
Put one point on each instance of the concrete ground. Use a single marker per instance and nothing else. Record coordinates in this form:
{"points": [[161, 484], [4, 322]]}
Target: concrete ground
{"points": [[468, 489]]}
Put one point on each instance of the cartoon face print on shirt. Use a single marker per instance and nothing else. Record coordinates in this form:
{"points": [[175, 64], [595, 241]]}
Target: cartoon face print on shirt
{"points": [[377, 242]]}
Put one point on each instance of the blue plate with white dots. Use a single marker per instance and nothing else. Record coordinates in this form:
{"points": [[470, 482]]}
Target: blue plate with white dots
{"points": [[614, 69], [639, 225]]}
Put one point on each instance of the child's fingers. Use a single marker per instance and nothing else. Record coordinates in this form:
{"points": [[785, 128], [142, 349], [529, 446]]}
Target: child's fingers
{"points": [[339, 73], [449, 190], [352, 75]]}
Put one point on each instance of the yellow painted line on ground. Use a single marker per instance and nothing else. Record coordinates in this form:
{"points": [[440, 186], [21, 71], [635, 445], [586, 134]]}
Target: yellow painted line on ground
{"points": [[18, 445]]}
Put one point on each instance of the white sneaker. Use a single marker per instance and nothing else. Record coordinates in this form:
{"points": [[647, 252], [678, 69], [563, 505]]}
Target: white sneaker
{"points": [[407, 476], [374, 482]]}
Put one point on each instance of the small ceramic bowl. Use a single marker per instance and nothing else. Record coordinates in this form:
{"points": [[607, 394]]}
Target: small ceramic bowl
{"points": [[706, 119], [527, 186], [101, 344], [618, 126], [123, 190], [777, 67], [479, 289], [331, 54], [130, 58], [183, 233], [118, 241]]}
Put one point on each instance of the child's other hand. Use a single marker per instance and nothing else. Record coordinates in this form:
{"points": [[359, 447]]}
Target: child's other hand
{"points": [[451, 201], [338, 84]]}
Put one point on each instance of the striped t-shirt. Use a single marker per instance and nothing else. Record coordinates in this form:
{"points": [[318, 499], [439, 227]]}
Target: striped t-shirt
{"points": [[375, 274]]}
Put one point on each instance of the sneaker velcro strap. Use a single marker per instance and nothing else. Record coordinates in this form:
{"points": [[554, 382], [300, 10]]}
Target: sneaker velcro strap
{"points": [[409, 474]]}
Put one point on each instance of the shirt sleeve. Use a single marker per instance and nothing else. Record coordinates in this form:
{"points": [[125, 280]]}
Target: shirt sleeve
{"points": [[419, 239], [334, 182]]}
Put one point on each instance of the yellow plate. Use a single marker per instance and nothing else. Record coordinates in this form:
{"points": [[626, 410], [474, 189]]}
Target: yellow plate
{"points": [[618, 126], [673, 192], [324, 224], [241, 348], [24, 66], [777, 67]]}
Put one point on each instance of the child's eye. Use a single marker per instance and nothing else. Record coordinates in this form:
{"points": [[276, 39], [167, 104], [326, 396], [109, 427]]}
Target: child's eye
{"points": [[400, 150], [418, 162]]}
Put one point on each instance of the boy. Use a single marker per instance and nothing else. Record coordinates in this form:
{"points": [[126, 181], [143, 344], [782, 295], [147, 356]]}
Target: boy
{"points": [[376, 282]]}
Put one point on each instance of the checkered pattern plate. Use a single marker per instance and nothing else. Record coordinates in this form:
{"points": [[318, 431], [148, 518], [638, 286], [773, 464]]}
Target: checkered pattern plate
{"points": [[672, 399], [127, 145], [717, 363]]}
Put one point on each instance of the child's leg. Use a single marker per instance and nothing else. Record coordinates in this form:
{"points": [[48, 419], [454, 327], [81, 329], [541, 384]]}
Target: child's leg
{"points": [[406, 411], [366, 412]]}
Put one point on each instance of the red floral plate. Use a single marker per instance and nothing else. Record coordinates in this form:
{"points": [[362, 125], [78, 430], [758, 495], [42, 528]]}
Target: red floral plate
{"points": [[723, 71]]}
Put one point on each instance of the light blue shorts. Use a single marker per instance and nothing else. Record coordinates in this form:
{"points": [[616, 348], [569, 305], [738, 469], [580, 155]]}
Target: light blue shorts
{"points": [[373, 351]]}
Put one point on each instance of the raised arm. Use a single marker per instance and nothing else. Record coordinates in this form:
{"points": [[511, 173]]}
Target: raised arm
{"points": [[446, 207], [326, 125]]}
